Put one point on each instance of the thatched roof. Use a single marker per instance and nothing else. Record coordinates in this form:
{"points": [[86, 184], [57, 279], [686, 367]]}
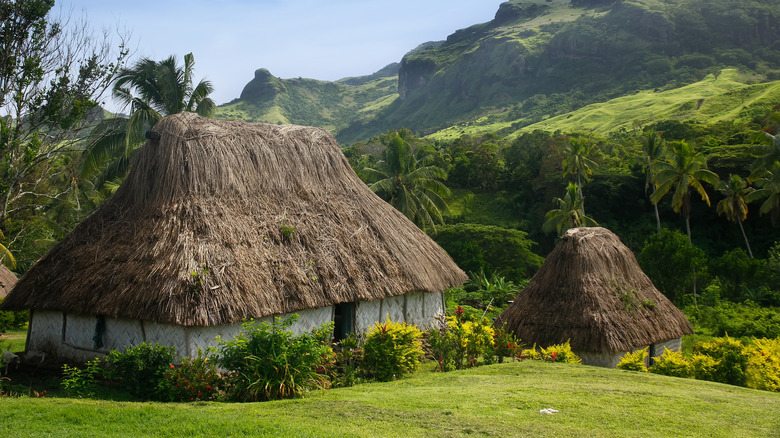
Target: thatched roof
{"points": [[222, 220], [591, 291], [7, 281]]}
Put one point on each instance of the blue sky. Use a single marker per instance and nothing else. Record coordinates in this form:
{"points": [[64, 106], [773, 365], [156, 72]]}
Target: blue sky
{"points": [[318, 39]]}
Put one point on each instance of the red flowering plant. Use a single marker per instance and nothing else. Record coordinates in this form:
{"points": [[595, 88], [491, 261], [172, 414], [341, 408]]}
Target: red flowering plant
{"points": [[505, 344], [195, 379]]}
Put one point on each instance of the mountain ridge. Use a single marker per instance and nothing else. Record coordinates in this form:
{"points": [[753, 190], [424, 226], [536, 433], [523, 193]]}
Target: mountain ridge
{"points": [[535, 60]]}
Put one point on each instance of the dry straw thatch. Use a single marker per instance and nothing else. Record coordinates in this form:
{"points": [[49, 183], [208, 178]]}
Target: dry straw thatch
{"points": [[591, 291], [222, 220], [7, 281]]}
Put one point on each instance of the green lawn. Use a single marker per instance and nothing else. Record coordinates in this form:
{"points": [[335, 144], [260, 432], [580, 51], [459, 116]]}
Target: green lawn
{"points": [[498, 400], [14, 337]]}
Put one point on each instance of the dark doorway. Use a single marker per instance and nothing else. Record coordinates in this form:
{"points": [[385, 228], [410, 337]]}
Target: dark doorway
{"points": [[343, 320]]}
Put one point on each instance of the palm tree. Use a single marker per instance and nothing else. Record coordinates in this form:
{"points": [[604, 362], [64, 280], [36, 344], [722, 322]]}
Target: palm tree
{"points": [[733, 205], [682, 170], [576, 161], [413, 186], [569, 214], [769, 188], [652, 151], [152, 90]]}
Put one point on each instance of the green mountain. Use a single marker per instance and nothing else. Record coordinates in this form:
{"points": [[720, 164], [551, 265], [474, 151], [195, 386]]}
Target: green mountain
{"points": [[535, 60]]}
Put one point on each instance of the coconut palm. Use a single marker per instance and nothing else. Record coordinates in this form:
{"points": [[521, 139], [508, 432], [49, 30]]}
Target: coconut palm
{"points": [[152, 90], [652, 151], [769, 189], [569, 214], [576, 161], [682, 170], [733, 205], [413, 186]]}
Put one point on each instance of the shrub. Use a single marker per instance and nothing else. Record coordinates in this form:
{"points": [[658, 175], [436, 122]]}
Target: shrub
{"points": [[560, 353], [738, 320], [13, 319], [391, 350], [704, 367], [763, 369], [634, 361], [446, 348], [268, 362], [141, 369], [345, 362], [672, 363], [730, 359], [80, 382], [529, 353], [505, 343], [194, 379]]}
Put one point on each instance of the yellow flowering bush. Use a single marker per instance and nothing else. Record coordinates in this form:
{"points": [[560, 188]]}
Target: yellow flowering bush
{"points": [[763, 368], [634, 361], [672, 363], [560, 353]]}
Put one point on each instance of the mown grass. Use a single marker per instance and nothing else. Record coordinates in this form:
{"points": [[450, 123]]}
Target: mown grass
{"points": [[15, 338], [498, 400]]}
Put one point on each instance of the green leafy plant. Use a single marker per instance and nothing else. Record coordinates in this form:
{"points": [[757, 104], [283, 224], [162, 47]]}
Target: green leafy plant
{"points": [[194, 379], [392, 349], [505, 343], [81, 382], [347, 356], [266, 361], [141, 369], [634, 361], [446, 348], [672, 363]]}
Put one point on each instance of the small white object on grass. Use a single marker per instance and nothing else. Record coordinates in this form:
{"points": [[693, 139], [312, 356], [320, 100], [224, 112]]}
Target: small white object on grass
{"points": [[548, 411]]}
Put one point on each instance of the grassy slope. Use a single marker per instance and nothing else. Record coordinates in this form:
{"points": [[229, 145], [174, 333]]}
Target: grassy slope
{"points": [[729, 96], [329, 105], [499, 400]]}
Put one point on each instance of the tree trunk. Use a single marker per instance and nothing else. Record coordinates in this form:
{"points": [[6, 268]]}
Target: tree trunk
{"points": [[690, 243], [657, 217], [741, 228]]}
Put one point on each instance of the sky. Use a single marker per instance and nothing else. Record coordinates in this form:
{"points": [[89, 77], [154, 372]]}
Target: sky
{"points": [[317, 39]]}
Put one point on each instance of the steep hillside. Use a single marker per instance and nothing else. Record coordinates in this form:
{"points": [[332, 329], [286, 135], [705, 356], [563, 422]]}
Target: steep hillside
{"points": [[330, 105], [536, 59], [724, 96]]}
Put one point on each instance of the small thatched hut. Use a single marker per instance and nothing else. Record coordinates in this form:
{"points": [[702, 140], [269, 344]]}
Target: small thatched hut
{"points": [[591, 291], [7, 281], [222, 221]]}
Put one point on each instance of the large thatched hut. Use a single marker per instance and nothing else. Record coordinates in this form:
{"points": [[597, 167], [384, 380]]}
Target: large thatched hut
{"points": [[7, 281], [591, 291], [222, 221]]}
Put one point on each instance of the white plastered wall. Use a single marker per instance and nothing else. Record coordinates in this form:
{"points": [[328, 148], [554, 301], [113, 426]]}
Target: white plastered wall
{"points": [[71, 336]]}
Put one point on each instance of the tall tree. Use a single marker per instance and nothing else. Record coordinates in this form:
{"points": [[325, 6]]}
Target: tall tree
{"points": [[569, 214], [53, 73], [683, 170], [733, 205], [652, 151], [576, 161], [410, 184], [152, 90]]}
